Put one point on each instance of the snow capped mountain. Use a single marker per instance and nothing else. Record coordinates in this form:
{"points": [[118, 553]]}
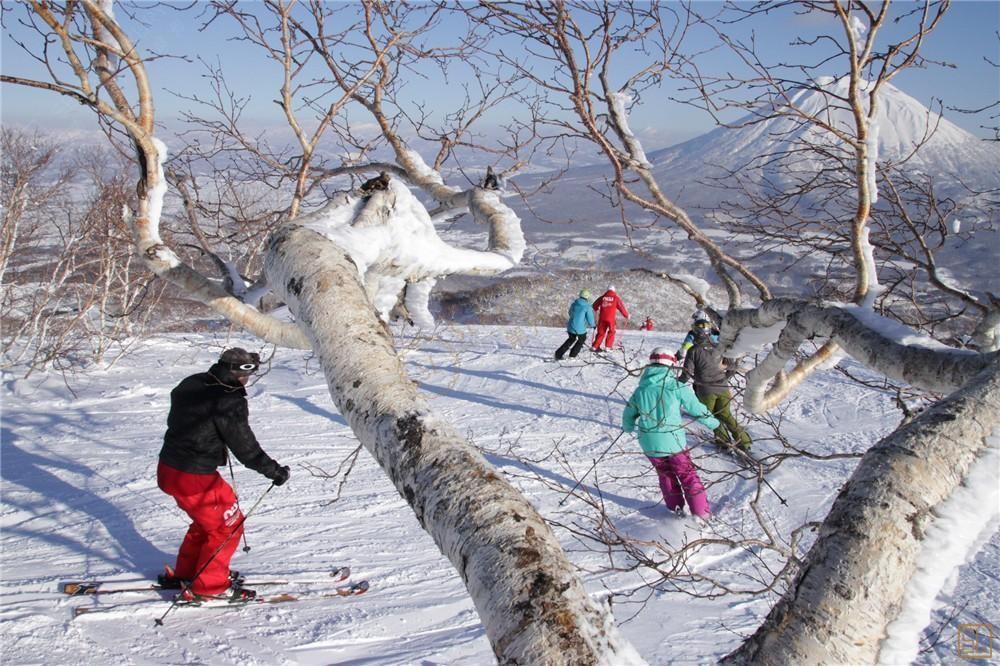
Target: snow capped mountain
{"points": [[577, 224], [901, 125]]}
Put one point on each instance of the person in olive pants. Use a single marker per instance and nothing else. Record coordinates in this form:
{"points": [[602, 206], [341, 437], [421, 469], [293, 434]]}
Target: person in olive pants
{"points": [[711, 384]]}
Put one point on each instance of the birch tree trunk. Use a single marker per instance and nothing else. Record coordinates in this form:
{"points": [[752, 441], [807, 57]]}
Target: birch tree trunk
{"points": [[852, 582], [533, 606]]}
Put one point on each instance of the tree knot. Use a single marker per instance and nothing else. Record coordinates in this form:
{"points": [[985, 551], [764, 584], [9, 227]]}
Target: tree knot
{"points": [[410, 432]]}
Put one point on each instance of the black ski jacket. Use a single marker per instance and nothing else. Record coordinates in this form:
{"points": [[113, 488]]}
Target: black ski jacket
{"points": [[711, 373], [208, 415]]}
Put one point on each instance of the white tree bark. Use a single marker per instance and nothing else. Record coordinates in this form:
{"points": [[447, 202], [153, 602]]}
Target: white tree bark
{"points": [[940, 370], [852, 582], [533, 606]]}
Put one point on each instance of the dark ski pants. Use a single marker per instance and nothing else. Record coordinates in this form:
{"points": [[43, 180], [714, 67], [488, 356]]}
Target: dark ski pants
{"points": [[215, 529], [679, 480], [729, 431], [574, 340]]}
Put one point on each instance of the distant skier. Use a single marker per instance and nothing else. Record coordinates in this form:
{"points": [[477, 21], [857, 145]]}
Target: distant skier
{"points": [[581, 317], [208, 419], [607, 307], [647, 325], [491, 182], [711, 374], [379, 182], [655, 410], [702, 322]]}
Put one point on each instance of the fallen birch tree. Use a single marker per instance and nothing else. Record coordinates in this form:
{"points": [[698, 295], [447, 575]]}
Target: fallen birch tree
{"points": [[532, 604]]}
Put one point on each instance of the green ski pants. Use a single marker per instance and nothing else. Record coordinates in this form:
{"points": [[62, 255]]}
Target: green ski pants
{"points": [[729, 430]]}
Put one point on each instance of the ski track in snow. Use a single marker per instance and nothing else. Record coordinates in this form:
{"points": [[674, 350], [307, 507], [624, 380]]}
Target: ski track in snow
{"points": [[80, 502]]}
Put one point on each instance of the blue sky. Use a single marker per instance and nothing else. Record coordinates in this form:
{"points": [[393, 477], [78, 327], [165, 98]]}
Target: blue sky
{"points": [[967, 36]]}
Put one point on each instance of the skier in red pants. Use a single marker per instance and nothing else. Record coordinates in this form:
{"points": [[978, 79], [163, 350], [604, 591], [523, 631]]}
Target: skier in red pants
{"points": [[607, 307], [208, 418]]}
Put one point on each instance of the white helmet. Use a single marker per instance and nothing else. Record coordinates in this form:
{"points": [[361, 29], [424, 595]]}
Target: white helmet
{"points": [[701, 315], [611, 287], [663, 356]]}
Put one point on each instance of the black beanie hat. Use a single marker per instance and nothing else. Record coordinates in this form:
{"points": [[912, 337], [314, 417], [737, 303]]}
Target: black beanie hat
{"points": [[237, 360]]}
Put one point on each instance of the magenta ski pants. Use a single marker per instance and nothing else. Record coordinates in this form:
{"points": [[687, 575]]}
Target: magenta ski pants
{"points": [[679, 480]]}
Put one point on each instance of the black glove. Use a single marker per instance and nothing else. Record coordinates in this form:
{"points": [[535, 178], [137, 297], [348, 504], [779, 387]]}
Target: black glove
{"points": [[281, 475]]}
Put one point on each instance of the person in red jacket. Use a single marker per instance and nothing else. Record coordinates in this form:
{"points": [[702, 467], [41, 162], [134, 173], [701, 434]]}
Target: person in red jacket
{"points": [[607, 307]]}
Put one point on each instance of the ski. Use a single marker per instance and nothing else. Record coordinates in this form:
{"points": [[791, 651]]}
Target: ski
{"points": [[740, 456], [351, 590], [743, 458], [87, 588]]}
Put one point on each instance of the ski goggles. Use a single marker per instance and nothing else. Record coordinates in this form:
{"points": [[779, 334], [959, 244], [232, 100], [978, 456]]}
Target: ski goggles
{"points": [[703, 324], [247, 367]]}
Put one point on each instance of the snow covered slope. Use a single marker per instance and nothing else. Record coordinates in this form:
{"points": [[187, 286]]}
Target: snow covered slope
{"points": [[79, 500]]}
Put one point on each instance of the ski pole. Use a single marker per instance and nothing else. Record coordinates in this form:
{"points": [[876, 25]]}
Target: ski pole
{"points": [[246, 546], [760, 475], [596, 460], [159, 621]]}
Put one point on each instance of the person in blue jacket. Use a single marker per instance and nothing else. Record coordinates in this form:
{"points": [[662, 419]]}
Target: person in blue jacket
{"points": [[581, 317], [702, 325]]}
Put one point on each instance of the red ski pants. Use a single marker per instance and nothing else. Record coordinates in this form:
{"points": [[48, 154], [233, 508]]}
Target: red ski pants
{"points": [[215, 530], [605, 328]]}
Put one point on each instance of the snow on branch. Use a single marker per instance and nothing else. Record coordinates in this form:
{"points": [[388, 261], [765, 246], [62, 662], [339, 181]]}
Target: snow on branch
{"points": [[961, 525], [506, 237], [876, 342], [391, 238], [165, 263], [891, 518], [619, 119]]}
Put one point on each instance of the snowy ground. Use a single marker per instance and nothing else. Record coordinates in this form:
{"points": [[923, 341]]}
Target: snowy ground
{"points": [[80, 501]]}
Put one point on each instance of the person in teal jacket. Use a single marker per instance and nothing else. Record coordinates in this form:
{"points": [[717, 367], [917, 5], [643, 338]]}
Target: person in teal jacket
{"points": [[581, 317], [655, 411]]}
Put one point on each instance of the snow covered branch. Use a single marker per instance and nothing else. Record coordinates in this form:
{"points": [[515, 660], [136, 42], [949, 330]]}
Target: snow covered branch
{"points": [[391, 239], [880, 344], [531, 603]]}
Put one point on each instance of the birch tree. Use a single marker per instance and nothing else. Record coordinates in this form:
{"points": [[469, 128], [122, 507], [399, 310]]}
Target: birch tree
{"points": [[532, 604], [575, 53], [341, 265], [852, 583]]}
